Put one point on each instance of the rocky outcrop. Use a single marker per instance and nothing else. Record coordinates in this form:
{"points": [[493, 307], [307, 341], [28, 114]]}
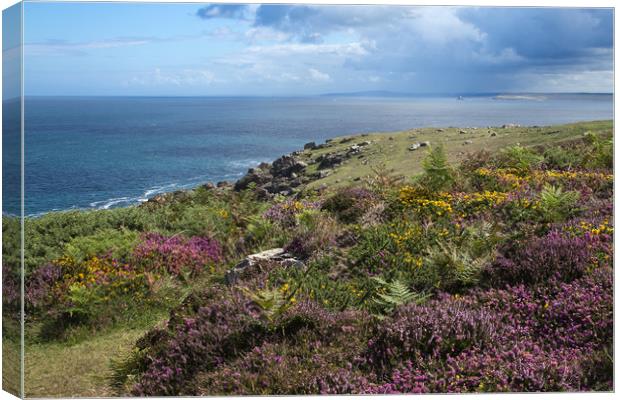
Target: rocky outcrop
{"points": [[254, 262], [327, 161], [289, 172], [287, 165], [258, 176]]}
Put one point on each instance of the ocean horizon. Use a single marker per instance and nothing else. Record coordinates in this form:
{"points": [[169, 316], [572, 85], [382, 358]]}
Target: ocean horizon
{"points": [[99, 152]]}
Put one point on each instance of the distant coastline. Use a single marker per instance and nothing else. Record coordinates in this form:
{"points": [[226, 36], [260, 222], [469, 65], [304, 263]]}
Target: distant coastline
{"points": [[179, 188]]}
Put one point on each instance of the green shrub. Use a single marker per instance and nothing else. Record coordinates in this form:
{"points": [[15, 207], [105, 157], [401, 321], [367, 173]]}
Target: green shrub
{"points": [[116, 243], [451, 267], [561, 158], [557, 205], [350, 204], [520, 158], [438, 174], [390, 295], [601, 154]]}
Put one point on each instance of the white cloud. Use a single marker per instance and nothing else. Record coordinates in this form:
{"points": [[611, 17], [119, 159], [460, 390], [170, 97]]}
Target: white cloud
{"points": [[293, 49], [61, 48], [185, 77], [440, 26], [318, 76]]}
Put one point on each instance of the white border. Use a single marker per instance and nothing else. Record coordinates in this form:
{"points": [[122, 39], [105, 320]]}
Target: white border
{"points": [[484, 3]]}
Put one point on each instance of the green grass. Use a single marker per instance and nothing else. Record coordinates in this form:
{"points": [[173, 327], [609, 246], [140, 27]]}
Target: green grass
{"points": [[390, 150], [78, 370], [80, 367], [10, 366]]}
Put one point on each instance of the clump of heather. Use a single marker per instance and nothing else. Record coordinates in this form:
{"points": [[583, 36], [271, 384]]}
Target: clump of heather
{"points": [[316, 232], [311, 366], [557, 255], [175, 254], [310, 350], [299, 247], [285, 213], [228, 325], [545, 338], [40, 284], [437, 329], [406, 378], [11, 292], [350, 204]]}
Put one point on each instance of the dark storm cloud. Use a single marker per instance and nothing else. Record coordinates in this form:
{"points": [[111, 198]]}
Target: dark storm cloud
{"points": [[311, 23], [551, 34], [463, 48]]}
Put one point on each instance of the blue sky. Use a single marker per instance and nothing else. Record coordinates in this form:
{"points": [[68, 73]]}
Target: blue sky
{"points": [[193, 49]]}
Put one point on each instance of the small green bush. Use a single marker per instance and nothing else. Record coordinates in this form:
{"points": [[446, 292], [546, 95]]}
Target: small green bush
{"points": [[557, 205], [438, 174], [561, 158], [520, 158], [116, 243]]}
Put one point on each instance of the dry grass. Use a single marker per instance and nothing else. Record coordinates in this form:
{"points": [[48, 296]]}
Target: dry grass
{"points": [[76, 370]]}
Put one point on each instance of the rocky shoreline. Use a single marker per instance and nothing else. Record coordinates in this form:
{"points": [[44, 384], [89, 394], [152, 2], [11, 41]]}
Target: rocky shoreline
{"points": [[288, 174]]}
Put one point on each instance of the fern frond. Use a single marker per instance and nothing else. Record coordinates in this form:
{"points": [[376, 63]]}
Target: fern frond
{"points": [[397, 293]]}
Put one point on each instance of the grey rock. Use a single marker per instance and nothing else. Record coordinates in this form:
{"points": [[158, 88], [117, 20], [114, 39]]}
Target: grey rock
{"points": [[414, 147], [310, 146], [462, 132], [425, 144], [468, 142], [257, 176], [323, 173], [286, 165], [330, 160], [253, 261]]}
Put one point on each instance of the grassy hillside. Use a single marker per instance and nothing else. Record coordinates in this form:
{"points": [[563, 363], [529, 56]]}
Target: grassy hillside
{"points": [[453, 267], [390, 151]]}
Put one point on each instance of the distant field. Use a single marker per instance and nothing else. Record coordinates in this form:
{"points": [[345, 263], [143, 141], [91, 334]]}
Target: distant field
{"points": [[391, 149]]}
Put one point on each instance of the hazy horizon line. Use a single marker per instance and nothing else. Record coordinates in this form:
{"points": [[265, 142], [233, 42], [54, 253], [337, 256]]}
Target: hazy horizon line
{"points": [[379, 93]]}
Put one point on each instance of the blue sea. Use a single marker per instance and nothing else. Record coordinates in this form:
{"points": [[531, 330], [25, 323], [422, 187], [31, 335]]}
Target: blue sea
{"points": [[102, 152]]}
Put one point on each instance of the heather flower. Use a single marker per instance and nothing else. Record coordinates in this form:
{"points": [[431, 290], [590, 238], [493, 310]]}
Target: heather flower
{"points": [[40, 285], [436, 329], [11, 292], [554, 256], [285, 213], [227, 325], [157, 252]]}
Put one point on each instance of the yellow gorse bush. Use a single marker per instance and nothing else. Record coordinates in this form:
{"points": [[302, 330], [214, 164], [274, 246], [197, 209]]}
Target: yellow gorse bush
{"points": [[115, 277], [587, 227], [409, 197], [513, 178]]}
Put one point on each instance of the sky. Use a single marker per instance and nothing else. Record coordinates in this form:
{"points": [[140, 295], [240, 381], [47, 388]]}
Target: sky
{"points": [[271, 50]]}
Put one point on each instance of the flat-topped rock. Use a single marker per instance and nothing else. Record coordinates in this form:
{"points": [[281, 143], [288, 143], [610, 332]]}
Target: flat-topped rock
{"points": [[253, 261]]}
